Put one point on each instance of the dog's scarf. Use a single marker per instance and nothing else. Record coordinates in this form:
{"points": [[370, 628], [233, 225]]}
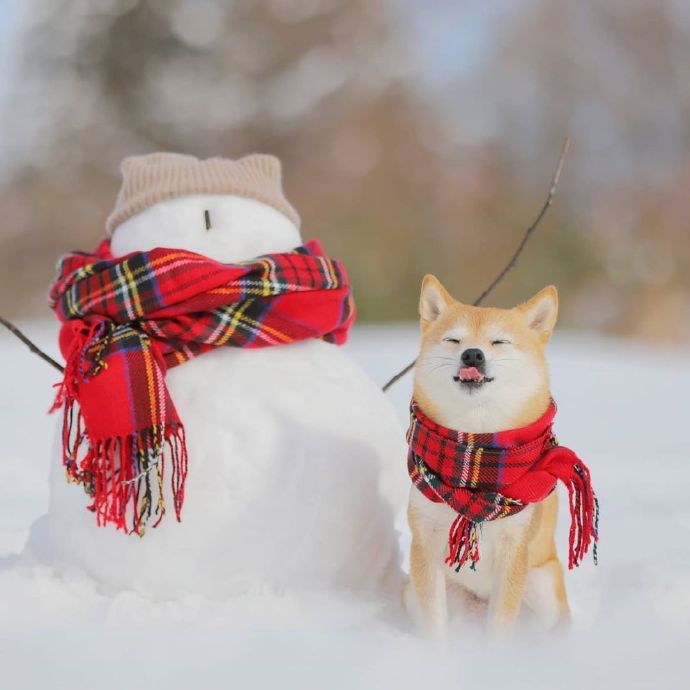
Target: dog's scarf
{"points": [[490, 476], [125, 321]]}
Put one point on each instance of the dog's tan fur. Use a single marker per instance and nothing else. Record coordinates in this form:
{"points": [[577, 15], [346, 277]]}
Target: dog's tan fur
{"points": [[519, 559]]}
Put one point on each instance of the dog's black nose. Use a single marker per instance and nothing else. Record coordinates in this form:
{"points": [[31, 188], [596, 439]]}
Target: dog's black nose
{"points": [[473, 357]]}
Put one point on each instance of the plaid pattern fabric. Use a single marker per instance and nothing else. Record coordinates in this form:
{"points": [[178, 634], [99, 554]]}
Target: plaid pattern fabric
{"points": [[491, 476], [126, 321]]}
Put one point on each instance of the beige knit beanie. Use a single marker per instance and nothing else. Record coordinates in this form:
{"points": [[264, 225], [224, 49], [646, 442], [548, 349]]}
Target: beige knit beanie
{"points": [[146, 180]]}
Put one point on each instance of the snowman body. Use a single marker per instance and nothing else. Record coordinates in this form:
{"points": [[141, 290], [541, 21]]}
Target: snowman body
{"points": [[293, 451]]}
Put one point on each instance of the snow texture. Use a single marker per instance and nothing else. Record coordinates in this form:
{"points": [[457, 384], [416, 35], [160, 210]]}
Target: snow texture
{"points": [[60, 627]]}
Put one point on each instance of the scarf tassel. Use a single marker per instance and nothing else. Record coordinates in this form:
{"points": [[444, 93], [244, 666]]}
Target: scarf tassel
{"points": [[463, 543], [584, 516], [125, 475]]}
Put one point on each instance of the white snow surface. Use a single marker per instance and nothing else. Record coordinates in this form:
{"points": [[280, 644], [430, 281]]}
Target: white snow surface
{"points": [[622, 407]]}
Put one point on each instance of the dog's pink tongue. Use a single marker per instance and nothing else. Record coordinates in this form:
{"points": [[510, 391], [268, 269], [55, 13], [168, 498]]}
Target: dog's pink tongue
{"points": [[470, 374]]}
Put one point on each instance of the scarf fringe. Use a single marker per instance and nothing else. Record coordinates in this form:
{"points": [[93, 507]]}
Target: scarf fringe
{"points": [[124, 475], [463, 543], [584, 516]]}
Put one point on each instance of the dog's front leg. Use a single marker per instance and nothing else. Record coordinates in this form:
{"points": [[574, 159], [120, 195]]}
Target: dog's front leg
{"points": [[507, 587], [428, 580]]}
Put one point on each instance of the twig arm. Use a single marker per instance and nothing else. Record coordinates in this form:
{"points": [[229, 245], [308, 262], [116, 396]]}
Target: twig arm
{"points": [[13, 329], [399, 375], [513, 259]]}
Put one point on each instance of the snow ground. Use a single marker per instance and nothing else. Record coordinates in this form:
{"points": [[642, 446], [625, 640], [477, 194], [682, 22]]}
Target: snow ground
{"points": [[626, 418]]}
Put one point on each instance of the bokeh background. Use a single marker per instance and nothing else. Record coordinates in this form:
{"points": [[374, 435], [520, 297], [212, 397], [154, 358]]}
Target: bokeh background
{"points": [[415, 136]]}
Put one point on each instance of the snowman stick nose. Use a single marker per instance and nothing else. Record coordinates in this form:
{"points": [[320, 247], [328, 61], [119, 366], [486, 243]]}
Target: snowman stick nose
{"points": [[207, 218]]}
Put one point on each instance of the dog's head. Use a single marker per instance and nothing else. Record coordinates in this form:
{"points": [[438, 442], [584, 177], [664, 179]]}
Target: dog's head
{"points": [[483, 367]]}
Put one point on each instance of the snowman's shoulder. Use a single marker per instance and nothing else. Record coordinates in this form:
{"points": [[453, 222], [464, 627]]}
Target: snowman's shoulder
{"points": [[313, 374], [312, 360]]}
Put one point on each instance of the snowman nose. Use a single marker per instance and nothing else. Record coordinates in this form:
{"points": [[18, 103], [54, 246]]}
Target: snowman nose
{"points": [[207, 219]]}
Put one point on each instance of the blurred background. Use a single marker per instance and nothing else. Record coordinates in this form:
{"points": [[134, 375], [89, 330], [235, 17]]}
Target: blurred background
{"points": [[415, 137]]}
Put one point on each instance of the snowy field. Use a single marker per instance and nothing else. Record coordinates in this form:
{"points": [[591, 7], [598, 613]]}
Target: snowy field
{"points": [[624, 408]]}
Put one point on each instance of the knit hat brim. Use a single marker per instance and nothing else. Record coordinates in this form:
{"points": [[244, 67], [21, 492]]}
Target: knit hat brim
{"points": [[156, 177]]}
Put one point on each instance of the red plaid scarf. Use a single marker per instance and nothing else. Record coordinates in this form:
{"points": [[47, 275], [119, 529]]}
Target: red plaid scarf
{"points": [[491, 476], [126, 321]]}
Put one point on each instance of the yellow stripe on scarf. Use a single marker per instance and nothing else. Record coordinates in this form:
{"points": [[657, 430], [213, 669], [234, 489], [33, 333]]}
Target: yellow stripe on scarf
{"points": [[151, 385], [477, 461]]}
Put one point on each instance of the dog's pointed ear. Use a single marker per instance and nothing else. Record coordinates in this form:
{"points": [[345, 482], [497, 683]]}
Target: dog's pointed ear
{"points": [[433, 300], [541, 311]]}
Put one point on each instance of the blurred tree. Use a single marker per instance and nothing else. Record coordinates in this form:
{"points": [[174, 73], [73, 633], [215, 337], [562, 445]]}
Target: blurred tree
{"points": [[610, 74], [397, 178]]}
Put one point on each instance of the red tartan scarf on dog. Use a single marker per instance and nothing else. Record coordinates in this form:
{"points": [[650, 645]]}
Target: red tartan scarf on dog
{"points": [[126, 321], [491, 476]]}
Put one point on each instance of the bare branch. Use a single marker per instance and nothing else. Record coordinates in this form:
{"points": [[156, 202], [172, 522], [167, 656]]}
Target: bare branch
{"points": [[13, 329], [513, 260], [528, 233], [399, 375]]}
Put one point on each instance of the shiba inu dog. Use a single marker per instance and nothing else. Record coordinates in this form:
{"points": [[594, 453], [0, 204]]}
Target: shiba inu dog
{"points": [[483, 370]]}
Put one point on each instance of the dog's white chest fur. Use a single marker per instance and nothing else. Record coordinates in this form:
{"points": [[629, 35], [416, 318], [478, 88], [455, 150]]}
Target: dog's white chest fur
{"points": [[494, 536]]}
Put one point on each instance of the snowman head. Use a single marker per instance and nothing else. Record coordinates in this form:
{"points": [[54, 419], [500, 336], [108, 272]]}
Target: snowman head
{"points": [[228, 210]]}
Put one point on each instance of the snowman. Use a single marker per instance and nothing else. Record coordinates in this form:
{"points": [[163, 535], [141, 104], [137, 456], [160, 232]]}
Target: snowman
{"points": [[293, 452]]}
